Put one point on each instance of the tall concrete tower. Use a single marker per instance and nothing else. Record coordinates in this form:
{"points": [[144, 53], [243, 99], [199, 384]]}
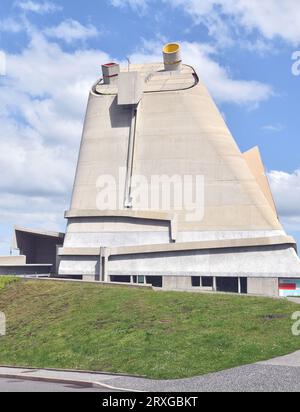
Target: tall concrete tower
{"points": [[162, 193]]}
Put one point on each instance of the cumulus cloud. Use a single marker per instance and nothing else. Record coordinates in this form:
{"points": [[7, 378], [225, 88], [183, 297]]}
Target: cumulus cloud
{"points": [[11, 25], [43, 99], [222, 85], [138, 5], [71, 30], [226, 19], [286, 191], [38, 7]]}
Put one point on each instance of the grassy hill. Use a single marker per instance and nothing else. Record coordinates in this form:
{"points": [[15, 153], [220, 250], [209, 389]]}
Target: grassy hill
{"points": [[6, 280], [159, 335]]}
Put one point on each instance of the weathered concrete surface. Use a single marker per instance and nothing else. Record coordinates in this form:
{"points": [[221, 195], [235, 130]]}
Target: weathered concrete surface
{"points": [[263, 286]]}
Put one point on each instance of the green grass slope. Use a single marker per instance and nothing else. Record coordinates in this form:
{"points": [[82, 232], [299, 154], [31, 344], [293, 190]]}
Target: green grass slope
{"points": [[158, 335], [6, 280]]}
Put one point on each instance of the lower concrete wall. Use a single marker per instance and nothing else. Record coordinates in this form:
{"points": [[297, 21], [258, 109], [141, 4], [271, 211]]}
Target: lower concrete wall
{"points": [[21, 270], [177, 282], [263, 286]]}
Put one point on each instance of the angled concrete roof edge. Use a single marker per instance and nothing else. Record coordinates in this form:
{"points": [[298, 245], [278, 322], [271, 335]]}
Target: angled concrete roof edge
{"points": [[204, 245], [38, 232]]}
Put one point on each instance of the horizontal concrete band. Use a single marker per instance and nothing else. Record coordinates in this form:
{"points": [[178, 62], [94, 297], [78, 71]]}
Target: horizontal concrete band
{"points": [[189, 274], [169, 218], [73, 214], [180, 247]]}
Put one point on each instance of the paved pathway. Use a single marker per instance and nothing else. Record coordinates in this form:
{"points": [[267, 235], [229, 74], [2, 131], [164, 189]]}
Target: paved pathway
{"points": [[281, 374]]}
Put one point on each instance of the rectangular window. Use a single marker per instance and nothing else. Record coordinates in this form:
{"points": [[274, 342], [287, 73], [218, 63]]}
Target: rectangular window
{"points": [[207, 282], [120, 279], [196, 282], [155, 281]]}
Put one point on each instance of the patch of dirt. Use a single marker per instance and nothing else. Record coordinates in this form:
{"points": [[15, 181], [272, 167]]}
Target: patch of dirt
{"points": [[275, 317]]}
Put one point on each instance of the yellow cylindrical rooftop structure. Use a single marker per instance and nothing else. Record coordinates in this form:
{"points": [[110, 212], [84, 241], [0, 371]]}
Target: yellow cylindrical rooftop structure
{"points": [[172, 57]]}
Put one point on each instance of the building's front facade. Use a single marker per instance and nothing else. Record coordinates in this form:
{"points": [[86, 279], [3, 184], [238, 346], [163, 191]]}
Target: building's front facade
{"points": [[163, 195]]}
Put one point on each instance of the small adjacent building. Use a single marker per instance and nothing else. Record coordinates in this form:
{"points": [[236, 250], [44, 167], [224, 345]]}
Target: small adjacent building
{"points": [[34, 252]]}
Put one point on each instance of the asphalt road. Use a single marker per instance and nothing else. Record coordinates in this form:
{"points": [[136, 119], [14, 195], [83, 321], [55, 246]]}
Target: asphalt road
{"points": [[18, 385]]}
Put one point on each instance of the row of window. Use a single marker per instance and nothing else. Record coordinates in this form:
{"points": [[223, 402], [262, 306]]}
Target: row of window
{"points": [[204, 282], [156, 281], [222, 284]]}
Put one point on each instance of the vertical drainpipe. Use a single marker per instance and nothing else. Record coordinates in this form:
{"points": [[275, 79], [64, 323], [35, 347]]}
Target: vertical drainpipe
{"points": [[103, 264], [214, 284], [240, 286]]}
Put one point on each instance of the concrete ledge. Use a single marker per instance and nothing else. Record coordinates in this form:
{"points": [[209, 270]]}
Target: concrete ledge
{"points": [[178, 247], [72, 214]]}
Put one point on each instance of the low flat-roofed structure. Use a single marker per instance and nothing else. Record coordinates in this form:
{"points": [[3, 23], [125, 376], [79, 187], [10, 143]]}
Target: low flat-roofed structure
{"points": [[37, 252]]}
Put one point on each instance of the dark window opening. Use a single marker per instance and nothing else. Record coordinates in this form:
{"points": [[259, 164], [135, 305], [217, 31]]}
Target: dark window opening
{"points": [[120, 279], [207, 282], [155, 281], [229, 285], [244, 286], [196, 281]]}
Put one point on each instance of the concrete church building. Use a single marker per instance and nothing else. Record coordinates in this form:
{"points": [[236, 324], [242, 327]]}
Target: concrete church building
{"points": [[159, 119], [163, 195]]}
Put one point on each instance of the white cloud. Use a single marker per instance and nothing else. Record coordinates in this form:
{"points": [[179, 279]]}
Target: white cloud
{"points": [[222, 85], [11, 26], [271, 18], [286, 190], [41, 115], [225, 20], [139, 5], [71, 30], [273, 128], [38, 7]]}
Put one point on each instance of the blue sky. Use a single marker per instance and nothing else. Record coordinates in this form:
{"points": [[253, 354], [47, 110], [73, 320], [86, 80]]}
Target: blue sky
{"points": [[242, 49]]}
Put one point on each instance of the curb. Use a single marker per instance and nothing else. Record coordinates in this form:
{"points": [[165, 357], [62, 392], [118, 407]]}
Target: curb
{"points": [[91, 384], [113, 374]]}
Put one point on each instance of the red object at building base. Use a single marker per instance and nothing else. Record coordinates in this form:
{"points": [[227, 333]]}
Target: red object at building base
{"points": [[288, 286]]}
